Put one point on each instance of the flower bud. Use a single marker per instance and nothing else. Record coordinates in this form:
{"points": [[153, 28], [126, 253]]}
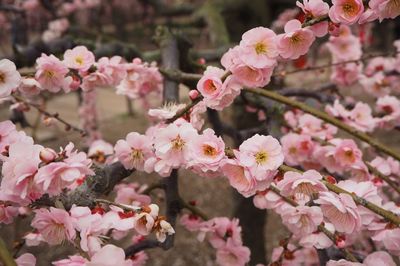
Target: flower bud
{"points": [[193, 94], [47, 155]]}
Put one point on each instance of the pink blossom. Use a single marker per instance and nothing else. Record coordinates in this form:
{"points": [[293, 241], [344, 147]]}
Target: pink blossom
{"points": [[258, 47], [33, 239], [167, 111], [9, 77], [109, 255], [79, 58], [145, 221], [99, 150], [376, 85], [302, 187], [191, 222], [55, 225], [26, 259], [345, 47], [74, 260], [29, 87], [56, 176], [51, 74], [262, 155], [241, 179], [206, 152], [7, 213], [296, 41], [378, 64], [134, 151], [246, 75], [129, 194], [315, 9], [346, 11], [379, 258], [171, 145], [318, 239], [361, 115], [231, 255], [346, 74], [217, 93], [18, 172], [297, 148], [346, 152], [341, 211], [310, 125], [302, 220], [342, 262], [163, 230], [221, 229], [385, 8]]}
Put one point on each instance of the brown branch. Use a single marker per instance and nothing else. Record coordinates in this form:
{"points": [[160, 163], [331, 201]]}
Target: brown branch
{"points": [[5, 255]]}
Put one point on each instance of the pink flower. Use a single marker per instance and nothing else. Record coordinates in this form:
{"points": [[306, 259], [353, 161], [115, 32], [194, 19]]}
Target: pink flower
{"points": [[246, 75], [296, 41], [74, 260], [7, 213], [310, 125], [51, 74], [166, 112], [99, 150], [343, 262], [297, 148], [79, 58], [302, 220], [315, 9], [217, 93], [109, 255], [379, 258], [56, 176], [145, 221], [26, 259], [55, 225], [206, 152], [262, 155], [129, 194], [345, 47], [241, 179], [9, 77], [163, 229], [318, 239], [171, 145], [18, 172], [191, 222], [346, 152], [223, 229], [302, 187], [29, 87], [134, 151], [376, 85], [33, 239], [231, 255], [346, 11], [341, 211], [385, 8], [258, 47]]}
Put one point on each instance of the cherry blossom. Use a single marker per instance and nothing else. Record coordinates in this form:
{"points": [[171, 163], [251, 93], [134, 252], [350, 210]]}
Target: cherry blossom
{"points": [[9, 77]]}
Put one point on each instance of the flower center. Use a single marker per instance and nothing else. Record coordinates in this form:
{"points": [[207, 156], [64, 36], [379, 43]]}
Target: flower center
{"points": [[292, 150], [261, 157], [49, 73], [136, 155], [260, 48], [350, 9], [388, 109], [2, 78], [209, 150], [178, 143], [210, 86], [79, 60], [295, 39]]}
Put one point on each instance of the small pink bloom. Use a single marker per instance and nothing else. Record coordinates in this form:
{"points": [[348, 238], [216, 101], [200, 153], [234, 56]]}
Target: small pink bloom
{"points": [[191, 222], [79, 58], [223, 229], [379, 258], [29, 87], [346, 152], [296, 41], [134, 151], [206, 152], [302, 187], [109, 255], [51, 74], [262, 155], [230, 255], [318, 239], [74, 260], [385, 8], [9, 77], [55, 225], [163, 230], [315, 9], [346, 11], [302, 220], [7, 213], [341, 211], [167, 111], [297, 148], [343, 262], [258, 47]]}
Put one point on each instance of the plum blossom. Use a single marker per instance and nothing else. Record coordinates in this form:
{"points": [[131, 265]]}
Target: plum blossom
{"points": [[233, 255], [217, 93], [130, 194], [379, 258], [341, 211], [377, 85], [26, 259], [302, 220], [7, 213], [99, 150], [163, 228], [314, 9], [134, 151], [9, 77], [51, 74], [262, 155], [297, 148], [29, 87], [258, 47], [74, 260], [296, 41], [318, 239], [385, 8], [346, 11], [79, 58], [55, 225], [109, 255], [302, 187], [206, 153]]}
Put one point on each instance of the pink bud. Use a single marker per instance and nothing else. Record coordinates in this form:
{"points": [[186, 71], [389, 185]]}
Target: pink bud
{"points": [[48, 121], [341, 243], [47, 155], [334, 29], [193, 94], [202, 61]]}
